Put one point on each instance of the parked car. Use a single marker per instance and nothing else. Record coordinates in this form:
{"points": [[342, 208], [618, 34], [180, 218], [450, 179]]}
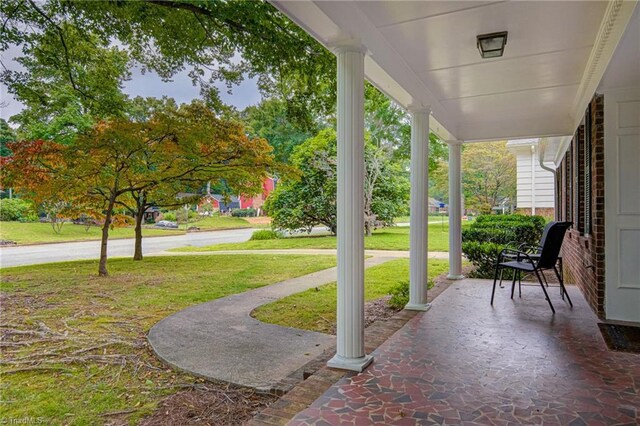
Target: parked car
{"points": [[166, 224]]}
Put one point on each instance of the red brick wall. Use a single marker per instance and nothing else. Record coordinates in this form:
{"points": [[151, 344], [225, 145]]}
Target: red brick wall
{"points": [[584, 254], [540, 211]]}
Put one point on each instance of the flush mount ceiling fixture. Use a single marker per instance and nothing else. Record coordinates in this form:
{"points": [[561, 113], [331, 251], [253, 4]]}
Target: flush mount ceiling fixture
{"points": [[492, 45]]}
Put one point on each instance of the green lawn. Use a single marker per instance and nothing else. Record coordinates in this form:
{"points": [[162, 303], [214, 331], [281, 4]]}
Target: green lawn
{"points": [[74, 345], [219, 222], [315, 309], [34, 233], [432, 218], [395, 238]]}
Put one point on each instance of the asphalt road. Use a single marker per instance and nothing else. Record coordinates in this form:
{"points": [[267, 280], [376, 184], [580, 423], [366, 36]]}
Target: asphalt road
{"points": [[60, 252]]}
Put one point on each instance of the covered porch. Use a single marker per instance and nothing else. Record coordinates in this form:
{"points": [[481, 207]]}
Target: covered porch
{"points": [[466, 362], [425, 56]]}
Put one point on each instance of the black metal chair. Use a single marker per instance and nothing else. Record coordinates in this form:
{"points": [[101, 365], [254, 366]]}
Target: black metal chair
{"points": [[534, 252], [541, 258]]}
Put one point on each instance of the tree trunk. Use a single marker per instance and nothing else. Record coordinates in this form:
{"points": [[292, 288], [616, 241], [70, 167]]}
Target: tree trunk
{"points": [[102, 267], [137, 254], [368, 228], [141, 207]]}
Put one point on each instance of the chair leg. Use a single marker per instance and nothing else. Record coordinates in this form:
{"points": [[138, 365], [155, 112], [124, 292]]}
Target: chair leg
{"points": [[520, 284], [544, 290], [563, 290], [501, 271], [544, 277], [495, 278], [513, 283]]}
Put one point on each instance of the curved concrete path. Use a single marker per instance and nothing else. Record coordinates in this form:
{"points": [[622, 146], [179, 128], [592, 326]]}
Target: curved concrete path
{"points": [[219, 340]]}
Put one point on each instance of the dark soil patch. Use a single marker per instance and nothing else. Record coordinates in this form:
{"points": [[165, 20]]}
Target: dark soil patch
{"points": [[209, 404], [378, 310]]}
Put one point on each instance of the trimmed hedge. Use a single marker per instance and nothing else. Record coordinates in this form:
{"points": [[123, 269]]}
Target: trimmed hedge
{"points": [[244, 213], [489, 234]]}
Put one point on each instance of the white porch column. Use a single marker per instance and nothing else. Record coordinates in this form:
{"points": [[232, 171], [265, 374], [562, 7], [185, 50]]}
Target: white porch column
{"points": [[350, 353], [455, 210], [418, 233]]}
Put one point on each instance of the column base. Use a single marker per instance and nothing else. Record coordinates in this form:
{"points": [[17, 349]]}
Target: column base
{"points": [[351, 364], [417, 306], [455, 277]]}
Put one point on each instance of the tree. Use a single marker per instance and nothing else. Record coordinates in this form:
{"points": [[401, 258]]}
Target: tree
{"points": [[388, 125], [488, 175], [309, 200], [269, 120], [216, 41], [70, 80], [389, 128], [390, 196], [242, 170], [210, 150], [6, 135], [107, 166]]}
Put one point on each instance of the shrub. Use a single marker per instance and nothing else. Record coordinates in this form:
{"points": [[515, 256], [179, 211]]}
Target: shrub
{"points": [[504, 229], [183, 215], [243, 213], [483, 256], [171, 216], [17, 209], [266, 234], [400, 294], [483, 240]]}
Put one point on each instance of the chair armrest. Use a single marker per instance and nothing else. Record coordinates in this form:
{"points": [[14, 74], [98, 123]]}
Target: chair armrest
{"points": [[528, 248], [518, 253]]}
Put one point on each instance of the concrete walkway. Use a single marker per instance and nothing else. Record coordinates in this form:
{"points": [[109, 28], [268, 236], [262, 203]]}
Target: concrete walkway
{"points": [[219, 340]]}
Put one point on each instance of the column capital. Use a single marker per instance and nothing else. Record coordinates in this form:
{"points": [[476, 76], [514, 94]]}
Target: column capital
{"points": [[419, 108], [454, 142], [346, 45]]}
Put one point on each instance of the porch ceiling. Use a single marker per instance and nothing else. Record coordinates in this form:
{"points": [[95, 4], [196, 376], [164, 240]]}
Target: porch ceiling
{"points": [[424, 52]]}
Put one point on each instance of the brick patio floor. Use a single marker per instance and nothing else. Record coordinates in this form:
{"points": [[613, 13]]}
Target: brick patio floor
{"points": [[465, 362]]}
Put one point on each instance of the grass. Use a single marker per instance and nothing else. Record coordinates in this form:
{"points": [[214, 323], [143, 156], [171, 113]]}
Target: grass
{"points": [[432, 218], [315, 309], [35, 233], [53, 314], [395, 238], [212, 223]]}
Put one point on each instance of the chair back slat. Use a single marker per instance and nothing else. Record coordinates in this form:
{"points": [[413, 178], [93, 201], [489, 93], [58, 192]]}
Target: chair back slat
{"points": [[551, 243]]}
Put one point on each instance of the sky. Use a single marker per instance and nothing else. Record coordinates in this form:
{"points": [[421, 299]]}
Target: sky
{"points": [[148, 84]]}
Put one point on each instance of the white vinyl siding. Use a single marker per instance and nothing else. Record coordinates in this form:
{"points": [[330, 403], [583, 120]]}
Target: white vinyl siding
{"points": [[544, 180]]}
